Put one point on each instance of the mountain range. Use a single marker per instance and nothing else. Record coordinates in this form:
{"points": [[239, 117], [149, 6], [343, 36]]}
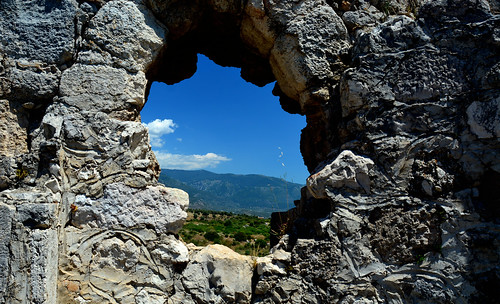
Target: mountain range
{"points": [[249, 194]]}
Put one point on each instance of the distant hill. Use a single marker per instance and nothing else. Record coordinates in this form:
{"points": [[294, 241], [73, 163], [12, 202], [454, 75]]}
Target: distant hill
{"points": [[249, 194]]}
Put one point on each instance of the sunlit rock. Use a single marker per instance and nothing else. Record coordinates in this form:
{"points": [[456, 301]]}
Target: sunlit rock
{"points": [[401, 101], [347, 170]]}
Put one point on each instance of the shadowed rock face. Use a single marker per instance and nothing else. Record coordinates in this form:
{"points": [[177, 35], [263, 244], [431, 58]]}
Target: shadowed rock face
{"points": [[402, 141]]}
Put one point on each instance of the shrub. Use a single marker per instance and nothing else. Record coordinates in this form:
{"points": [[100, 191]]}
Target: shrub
{"points": [[232, 230], [261, 243], [240, 236], [212, 236]]}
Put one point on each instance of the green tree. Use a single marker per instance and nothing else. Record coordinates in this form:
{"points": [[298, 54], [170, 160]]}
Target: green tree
{"points": [[240, 236], [212, 236]]}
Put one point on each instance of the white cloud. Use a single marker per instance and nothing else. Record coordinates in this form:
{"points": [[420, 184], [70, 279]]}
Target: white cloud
{"points": [[158, 128], [189, 162]]}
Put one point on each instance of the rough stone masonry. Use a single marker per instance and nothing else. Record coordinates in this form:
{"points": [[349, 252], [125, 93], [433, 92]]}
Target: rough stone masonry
{"points": [[402, 99]]}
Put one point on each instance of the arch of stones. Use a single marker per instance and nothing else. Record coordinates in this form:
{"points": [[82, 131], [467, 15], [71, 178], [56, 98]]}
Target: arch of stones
{"points": [[401, 140]]}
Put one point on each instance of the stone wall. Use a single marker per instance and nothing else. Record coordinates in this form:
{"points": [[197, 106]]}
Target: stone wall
{"points": [[402, 100]]}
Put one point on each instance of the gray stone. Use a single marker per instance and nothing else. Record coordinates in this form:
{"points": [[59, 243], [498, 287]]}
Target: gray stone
{"points": [[347, 170], [255, 28], [104, 88], [313, 35], [172, 251], [33, 81], [43, 245], [228, 272], [265, 265], [484, 118], [40, 216], [122, 34], [116, 261], [44, 31], [6, 217], [401, 101], [360, 19], [123, 207]]}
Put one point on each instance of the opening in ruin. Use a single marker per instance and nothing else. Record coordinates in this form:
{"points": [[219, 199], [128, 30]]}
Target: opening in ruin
{"points": [[215, 121], [238, 133], [218, 122]]}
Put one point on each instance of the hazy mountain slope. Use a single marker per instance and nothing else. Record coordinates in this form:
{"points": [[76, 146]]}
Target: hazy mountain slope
{"points": [[251, 194]]}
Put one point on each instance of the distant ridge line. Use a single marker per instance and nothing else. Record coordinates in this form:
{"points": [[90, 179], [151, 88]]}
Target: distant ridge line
{"points": [[252, 194]]}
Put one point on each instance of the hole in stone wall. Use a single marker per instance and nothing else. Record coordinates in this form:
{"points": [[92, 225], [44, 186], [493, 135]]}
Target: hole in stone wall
{"points": [[217, 121]]}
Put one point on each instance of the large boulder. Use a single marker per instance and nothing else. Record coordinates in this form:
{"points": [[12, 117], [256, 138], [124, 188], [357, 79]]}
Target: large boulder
{"points": [[217, 274]]}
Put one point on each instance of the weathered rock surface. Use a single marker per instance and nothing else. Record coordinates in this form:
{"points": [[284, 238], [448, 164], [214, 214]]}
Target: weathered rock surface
{"points": [[13, 135], [216, 274], [347, 171], [123, 207], [402, 140]]}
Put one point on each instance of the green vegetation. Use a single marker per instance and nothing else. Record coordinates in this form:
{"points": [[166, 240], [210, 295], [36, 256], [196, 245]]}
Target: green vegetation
{"points": [[420, 258], [244, 234], [21, 173], [387, 8]]}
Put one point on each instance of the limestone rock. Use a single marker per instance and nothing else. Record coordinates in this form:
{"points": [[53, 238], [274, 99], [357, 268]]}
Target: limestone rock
{"points": [[402, 105], [94, 155], [228, 272], [108, 88], [310, 35], [123, 207], [122, 34], [115, 261], [173, 251], [43, 257], [37, 215], [414, 172], [180, 17], [255, 27], [275, 263], [32, 249], [233, 7], [484, 118], [419, 233], [361, 18], [347, 170], [28, 80], [13, 136], [6, 216], [43, 30]]}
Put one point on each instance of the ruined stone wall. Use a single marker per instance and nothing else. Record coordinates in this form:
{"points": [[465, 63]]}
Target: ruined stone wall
{"points": [[402, 100]]}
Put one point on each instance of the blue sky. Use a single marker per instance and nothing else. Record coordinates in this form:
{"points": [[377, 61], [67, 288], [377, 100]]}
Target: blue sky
{"points": [[217, 121]]}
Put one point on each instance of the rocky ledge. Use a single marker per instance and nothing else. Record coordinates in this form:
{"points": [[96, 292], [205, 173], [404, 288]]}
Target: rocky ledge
{"points": [[402, 100]]}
